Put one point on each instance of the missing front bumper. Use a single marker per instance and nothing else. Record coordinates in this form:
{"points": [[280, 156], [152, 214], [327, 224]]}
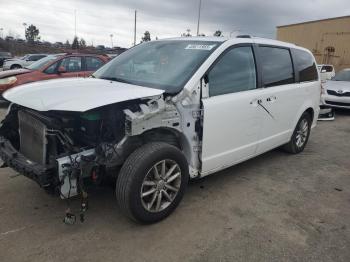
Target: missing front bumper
{"points": [[43, 175]]}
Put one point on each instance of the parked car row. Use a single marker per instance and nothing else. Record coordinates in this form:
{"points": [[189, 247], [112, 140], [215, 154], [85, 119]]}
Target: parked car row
{"points": [[51, 67]]}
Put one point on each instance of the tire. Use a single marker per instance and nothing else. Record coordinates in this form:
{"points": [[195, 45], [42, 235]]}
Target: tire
{"points": [[16, 67], [138, 177], [294, 146]]}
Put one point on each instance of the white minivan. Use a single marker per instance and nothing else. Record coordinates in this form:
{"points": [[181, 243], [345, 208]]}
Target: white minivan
{"points": [[162, 113]]}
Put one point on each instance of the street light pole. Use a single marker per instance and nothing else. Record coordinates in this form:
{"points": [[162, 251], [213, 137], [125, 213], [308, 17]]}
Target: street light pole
{"points": [[111, 35], [199, 16], [135, 28]]}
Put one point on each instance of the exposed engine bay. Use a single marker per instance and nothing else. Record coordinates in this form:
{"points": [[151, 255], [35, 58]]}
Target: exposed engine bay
{"points": [[65, 150]]}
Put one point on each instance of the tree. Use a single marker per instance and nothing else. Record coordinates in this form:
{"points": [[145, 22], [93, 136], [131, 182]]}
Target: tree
{"points": [[67, 44], [75, 43], [146, 37], [82, 43], [218, 33], [32, 33]]}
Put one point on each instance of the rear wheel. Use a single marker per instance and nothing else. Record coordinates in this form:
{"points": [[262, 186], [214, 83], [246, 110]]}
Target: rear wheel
{"points": [[300, 135], [152, 182]]}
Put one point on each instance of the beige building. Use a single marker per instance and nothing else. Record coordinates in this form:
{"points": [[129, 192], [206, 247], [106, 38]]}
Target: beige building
{"points": [[327, 39]]}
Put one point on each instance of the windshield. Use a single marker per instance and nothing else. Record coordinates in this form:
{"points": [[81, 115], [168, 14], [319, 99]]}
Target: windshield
{"points": [[165, 65], [41, 62], [343, 75], [24, 57]]}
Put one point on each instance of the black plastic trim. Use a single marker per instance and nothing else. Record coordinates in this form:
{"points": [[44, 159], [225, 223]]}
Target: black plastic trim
{"points": [[43, 175]]}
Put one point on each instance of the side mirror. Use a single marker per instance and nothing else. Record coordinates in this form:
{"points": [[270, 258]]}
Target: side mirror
{"points": [[61, 70], [205, 86]]}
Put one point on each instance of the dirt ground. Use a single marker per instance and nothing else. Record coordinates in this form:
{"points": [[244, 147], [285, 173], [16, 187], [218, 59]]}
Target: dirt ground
{"points": [[276, 207]]}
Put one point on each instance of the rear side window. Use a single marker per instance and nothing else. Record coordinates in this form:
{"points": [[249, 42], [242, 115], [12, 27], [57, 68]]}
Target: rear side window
{"points": [[93, 63], [305, 66], [276, 66], [35, 57], [234, 72], [71, 64], [327, 68]]}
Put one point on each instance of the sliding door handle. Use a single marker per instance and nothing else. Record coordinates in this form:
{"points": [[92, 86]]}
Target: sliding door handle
{"points": [[271, 99]]}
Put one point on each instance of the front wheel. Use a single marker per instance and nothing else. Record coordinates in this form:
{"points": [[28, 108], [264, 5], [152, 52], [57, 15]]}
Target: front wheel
{"points": [[15, 67], [152, 182], [300, 135]]}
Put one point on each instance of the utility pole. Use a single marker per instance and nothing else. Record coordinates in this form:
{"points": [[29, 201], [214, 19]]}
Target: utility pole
{"points": [[75, 23], [199, 16], [135, 28]]}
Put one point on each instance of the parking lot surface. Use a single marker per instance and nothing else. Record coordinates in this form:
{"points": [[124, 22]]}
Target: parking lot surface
{"points": [[276, 207]]}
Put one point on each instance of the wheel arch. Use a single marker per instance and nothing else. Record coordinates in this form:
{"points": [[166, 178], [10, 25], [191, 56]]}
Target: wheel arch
{"points": [[167, 135], [15, 65], [307, 107]]}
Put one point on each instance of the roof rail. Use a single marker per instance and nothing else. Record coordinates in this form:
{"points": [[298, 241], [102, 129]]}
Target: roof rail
{"points": [[244, 36]]}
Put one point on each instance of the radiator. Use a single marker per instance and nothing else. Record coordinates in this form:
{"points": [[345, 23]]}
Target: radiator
{"points": [[32, 135]]}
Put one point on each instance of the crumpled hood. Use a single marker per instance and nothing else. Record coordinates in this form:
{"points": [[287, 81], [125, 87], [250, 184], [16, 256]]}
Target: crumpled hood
{"points": [[338, 85], [14, 72], [76, 94]]}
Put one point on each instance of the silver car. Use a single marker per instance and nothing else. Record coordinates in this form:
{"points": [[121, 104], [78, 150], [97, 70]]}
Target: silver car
{"points": [[337, 90]]}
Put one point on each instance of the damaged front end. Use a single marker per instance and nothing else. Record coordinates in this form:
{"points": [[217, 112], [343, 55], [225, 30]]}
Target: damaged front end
{"points": [[58, 149]]}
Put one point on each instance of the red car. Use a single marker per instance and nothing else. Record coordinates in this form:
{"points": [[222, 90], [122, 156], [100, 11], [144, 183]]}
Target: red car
{"points": [[51, 67]]}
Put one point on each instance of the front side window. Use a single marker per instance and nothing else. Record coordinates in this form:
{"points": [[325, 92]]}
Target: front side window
{"points": [[234, 72], [305, 66], [93, 63], [276, 66], [71, 64], [51, 69], [165, 65]]}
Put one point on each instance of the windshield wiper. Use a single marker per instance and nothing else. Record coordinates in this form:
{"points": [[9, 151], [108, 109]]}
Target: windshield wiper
{"points": [[116, 79]]}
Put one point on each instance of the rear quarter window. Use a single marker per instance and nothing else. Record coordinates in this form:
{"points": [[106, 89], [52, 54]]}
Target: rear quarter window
{"points": [[305, 65]]}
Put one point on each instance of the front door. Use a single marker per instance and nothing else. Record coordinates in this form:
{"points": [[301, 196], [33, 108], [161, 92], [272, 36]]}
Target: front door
{"points": [[231, 121]]}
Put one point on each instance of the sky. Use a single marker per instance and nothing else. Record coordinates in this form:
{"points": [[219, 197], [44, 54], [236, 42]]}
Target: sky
{"points": [[98, 19]]}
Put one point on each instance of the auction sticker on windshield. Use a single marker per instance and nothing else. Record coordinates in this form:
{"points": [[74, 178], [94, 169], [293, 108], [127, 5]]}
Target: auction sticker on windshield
{"points": [[200, 47]]}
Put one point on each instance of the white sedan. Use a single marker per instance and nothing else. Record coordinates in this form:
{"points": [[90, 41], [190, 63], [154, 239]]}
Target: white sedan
{"points": [[337, 90], [16, 63]]}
